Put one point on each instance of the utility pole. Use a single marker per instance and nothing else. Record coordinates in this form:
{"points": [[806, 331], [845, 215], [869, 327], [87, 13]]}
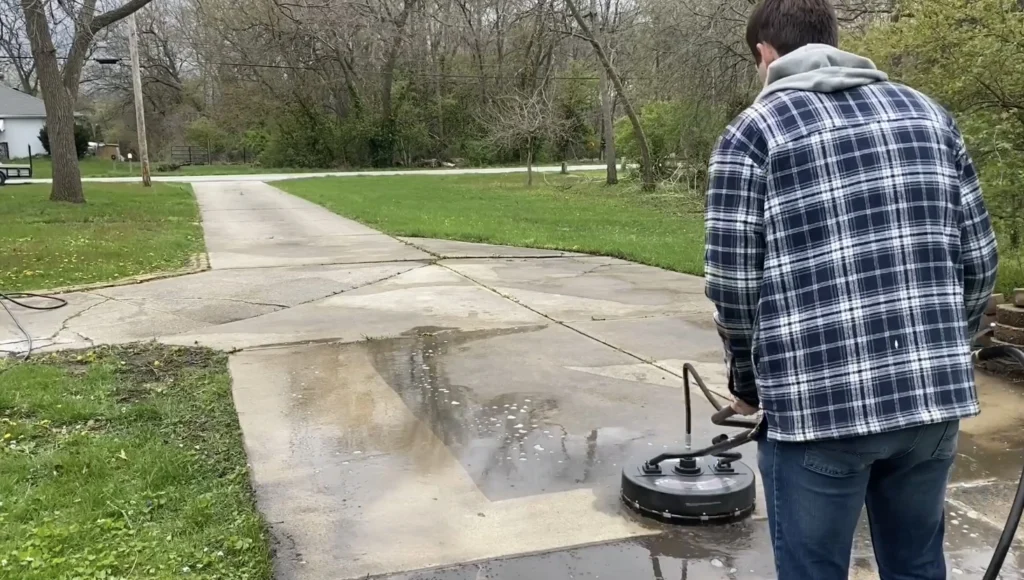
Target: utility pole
{"points": [[607, 122], [140, 108]]}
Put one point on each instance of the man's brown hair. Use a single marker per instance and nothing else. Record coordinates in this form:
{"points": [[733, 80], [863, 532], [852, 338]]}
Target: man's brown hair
{"points": [[789, 24]]}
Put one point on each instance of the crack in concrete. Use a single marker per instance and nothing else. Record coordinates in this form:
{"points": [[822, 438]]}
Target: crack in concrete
{"points": [[150, 308], [83, 337], [324, 340], [415, 247], [566, 325], [64, 325], [592, 270], [329, 263], [194, 299]]}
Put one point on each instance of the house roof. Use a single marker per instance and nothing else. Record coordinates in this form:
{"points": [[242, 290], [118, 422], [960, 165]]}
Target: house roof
{"points": [[18, 104]]}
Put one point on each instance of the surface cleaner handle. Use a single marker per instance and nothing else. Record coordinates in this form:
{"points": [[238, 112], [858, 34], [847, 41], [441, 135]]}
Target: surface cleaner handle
{"points": [[720, 416]]}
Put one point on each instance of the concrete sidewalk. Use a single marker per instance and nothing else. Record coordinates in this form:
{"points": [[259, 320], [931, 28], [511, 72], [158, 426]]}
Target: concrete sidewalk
{"points": [[413, 404]]}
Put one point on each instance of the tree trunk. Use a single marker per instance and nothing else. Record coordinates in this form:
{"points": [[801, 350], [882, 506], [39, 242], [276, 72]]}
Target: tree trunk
{"points": [[60, 107], [60, 125], [611, 173], [647, 170], [529, 163], [386, 144], [607, 130], [59, 87]]}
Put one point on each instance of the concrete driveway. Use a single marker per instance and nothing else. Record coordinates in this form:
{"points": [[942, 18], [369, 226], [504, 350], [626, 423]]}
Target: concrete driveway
{"points": [[418, 409]]}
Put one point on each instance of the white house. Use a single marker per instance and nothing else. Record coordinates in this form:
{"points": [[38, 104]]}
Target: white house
{"points": [[21, 118]]}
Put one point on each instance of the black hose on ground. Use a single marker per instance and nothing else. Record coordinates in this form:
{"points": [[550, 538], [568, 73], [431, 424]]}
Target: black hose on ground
{"points": [[13, 298]]}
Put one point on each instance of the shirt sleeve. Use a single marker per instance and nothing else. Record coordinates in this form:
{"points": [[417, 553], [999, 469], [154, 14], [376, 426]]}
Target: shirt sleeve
{"points": [[978, 253], [734, 251]]}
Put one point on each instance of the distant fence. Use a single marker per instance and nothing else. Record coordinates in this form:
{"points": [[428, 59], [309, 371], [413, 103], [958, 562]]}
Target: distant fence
{"points": [[199, 155], [189, 155]]}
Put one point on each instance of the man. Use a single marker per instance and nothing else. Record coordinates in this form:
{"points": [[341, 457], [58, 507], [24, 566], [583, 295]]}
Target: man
{"points": [[850, 259]]}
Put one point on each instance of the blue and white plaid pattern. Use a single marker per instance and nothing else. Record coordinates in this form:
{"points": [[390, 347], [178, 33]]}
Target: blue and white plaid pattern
{"points": [[850, 258]]}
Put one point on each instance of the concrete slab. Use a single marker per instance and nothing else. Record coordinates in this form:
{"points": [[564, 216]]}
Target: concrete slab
{"points": [[706, 554], [115, 321], [394, 455], [273, 287], [184, 304], [454, 249], [659, 338], [583, 289], [311, 251], [465, 430], [46, 327], [402, 455], [254, 225], [423, 299], [990, 456]]}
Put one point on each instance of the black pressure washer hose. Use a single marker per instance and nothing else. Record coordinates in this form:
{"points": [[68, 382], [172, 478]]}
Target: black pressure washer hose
{"points": [[722, 444], [1013, 518], [16, 298]]}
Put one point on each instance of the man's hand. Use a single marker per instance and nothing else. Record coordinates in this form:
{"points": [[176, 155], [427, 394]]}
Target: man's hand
{"points": [[743, 408]]}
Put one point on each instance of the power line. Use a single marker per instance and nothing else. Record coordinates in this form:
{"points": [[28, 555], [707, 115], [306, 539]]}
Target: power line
{"points": [[398, 73], [512, 74]]}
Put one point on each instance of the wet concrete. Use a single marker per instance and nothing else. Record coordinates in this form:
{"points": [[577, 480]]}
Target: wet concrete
{"points": [[738, 552], [444, 447], [465, 410], [991, 453], [448, 446]]}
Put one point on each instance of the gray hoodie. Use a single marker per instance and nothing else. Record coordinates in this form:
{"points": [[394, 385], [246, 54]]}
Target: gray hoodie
{"points": [[820, 68]]}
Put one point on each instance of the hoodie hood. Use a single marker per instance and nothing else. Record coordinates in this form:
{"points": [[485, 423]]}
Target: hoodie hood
{"points": [[820, 68]]}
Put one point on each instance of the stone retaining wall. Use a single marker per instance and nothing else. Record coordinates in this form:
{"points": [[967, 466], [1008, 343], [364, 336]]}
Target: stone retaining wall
{"points": [[1006, 318]]}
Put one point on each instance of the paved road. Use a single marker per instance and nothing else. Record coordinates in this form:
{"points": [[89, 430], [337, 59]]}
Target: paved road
{"points": [[428, 409], [270, 177]]}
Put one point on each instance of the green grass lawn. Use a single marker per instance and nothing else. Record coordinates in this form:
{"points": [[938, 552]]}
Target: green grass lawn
{"points": [[123, 230], [125, 462], [566, 213]]}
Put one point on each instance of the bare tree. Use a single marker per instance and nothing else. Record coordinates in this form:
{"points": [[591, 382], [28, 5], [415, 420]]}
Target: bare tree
{"points": [[646, 168], [59, 84], [522, 122], [14, 46], [602, 24]]}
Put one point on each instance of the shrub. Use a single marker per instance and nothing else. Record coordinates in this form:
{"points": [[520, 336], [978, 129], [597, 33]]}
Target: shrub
{"points": [[167, 167], [679, 134], [82, 135], [303, 137]]}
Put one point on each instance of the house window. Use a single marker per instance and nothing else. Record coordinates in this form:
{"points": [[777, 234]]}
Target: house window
{"points": [[5, 153]]}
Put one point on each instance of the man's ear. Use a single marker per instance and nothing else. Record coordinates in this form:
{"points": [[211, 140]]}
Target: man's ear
{"points": [[767, 52]]}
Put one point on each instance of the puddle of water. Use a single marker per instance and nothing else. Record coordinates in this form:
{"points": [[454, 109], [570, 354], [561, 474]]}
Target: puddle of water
{"points": [[510, 443]]}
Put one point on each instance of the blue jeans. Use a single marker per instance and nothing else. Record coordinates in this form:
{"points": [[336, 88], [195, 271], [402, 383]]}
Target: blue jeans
{"points": [[815, 493]]}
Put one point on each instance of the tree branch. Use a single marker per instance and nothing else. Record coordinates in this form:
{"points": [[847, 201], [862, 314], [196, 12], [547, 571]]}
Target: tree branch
{"points": [[107, 18]]}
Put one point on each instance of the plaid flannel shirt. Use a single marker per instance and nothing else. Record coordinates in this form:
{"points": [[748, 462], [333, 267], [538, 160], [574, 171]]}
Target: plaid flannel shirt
{"points": [[850, 258]]}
